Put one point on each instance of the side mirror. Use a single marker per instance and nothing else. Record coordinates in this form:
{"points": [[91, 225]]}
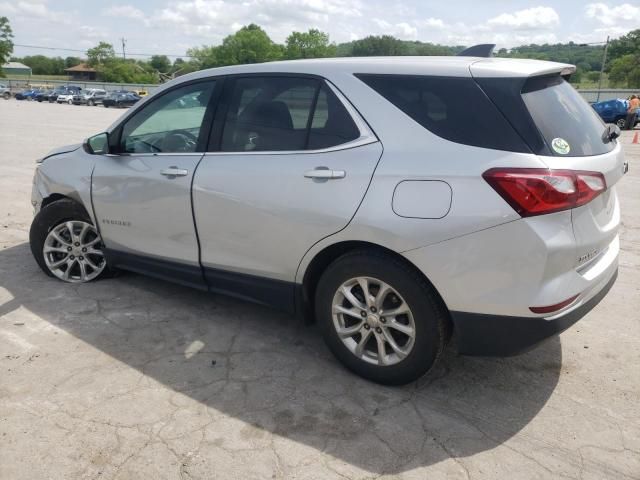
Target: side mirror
{"points": [[97, 145], [611, 132]]}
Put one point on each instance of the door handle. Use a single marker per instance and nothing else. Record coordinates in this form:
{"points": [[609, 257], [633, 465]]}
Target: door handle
{"points": [[174, 172], [324, 173]]}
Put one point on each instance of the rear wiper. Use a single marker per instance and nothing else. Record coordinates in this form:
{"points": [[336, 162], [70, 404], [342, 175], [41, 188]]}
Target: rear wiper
{"points": [[611, 132]]}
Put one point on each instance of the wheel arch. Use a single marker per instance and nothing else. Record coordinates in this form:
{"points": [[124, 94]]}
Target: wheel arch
{"points": [[55, 197], [322, 259]]}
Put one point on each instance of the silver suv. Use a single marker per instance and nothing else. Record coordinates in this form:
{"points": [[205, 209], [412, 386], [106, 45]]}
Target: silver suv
{"points": [[5, 92], [394, 201]]}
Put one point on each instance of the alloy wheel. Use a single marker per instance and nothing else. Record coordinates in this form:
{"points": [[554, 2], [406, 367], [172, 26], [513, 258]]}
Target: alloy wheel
{"points": [[373, 321], [73, 252]]}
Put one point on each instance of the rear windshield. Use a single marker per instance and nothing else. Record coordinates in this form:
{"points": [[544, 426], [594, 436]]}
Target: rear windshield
{"points": [[454, 108], [569, 126]]}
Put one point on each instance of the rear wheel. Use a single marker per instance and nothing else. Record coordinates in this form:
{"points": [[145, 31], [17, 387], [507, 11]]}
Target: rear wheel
{"points": [[380, 317], [6, 95], [65, 243]]}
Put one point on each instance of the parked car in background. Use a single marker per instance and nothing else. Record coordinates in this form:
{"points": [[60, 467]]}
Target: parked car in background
{"points": [[614, 111], [63, 90], [5, 92], [28, 94], [43, 95], [119, 99], [90, 96], [349, 191]]}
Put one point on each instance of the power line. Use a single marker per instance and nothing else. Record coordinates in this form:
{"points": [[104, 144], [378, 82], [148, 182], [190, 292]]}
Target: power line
{"points": [[84, 51]]}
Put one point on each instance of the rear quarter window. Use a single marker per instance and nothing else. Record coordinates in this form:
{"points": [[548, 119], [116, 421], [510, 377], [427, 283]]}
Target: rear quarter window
{"points": [[454, 108]]}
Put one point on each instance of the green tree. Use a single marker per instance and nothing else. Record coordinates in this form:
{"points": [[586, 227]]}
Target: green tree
{"points": [[625, 71], [41, 65], [593, 76], [311, 44], [6, 45], [250, 44], [203, 57], [378, 46], [625, 45], [72, 62], [126, 71], [161, 63], [101, 54]]}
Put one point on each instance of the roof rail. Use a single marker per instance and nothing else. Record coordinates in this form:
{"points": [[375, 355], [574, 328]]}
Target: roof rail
{"points": [[481, 50]]}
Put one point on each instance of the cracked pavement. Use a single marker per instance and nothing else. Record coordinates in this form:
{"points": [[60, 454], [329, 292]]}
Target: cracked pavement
{"points": [[131, 377]]}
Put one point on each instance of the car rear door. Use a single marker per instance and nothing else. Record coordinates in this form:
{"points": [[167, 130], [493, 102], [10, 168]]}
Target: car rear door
{"points": [[141, 192], [566, 134], [293, 163], [576, 138]]}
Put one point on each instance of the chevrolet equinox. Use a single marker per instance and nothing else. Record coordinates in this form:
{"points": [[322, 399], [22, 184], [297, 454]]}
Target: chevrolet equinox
{"points": [[395, 201]]}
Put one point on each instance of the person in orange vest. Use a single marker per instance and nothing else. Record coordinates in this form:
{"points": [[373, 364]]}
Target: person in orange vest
{"points": [[632, 111]]}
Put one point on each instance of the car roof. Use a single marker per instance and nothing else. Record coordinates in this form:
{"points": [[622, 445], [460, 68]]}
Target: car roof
{"points": [[457, 66]]}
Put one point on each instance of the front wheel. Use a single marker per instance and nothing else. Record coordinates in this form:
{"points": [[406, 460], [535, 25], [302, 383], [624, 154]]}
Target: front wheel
{"points": [[380, 317], [91, 103], [621, 123], [65, 243], [6, 95]]}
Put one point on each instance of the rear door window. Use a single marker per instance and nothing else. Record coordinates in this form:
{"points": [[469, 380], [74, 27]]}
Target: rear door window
{"points": [[454, 108], [284, 114], [569, 126]]}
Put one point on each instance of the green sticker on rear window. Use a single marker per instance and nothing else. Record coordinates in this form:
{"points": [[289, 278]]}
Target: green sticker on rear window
{"points": [[561, 146]]}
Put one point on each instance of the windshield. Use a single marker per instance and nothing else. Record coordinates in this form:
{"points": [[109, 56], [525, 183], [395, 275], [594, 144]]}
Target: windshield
{"points": [[569, 126]]}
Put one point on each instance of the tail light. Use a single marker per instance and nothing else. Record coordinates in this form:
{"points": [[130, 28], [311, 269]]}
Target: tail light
{"points": [[537, 191]]}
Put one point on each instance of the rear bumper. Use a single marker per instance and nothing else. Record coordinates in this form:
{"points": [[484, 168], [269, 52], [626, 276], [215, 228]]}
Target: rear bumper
{"points": [[500, 335]]}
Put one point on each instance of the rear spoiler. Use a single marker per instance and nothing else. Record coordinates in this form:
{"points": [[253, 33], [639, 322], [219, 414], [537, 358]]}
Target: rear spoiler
{"points": [[480, 50], [518, 68]]}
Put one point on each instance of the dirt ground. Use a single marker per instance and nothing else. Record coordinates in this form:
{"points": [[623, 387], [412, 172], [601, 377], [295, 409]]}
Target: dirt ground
{"points": [[135, 378]]}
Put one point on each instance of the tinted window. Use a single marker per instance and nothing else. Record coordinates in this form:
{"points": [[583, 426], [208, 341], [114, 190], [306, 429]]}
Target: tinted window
{"points": [[268, 113], [568, 124], [172, 123], [331, 124], [284, 114], [453, 108]]}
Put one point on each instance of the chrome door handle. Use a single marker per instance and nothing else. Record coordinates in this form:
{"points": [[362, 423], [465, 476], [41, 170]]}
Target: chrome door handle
{"points": [[324, 173], [174, 172]]}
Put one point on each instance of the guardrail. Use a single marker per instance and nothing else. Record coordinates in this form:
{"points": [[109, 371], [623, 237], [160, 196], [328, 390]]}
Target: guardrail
{"points": [[591, 95]]}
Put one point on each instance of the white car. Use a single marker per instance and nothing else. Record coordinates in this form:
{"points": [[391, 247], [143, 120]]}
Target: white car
{"points": [[391, 200], [66, 97]]}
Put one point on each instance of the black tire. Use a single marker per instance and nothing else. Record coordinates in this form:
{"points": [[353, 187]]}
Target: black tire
{"points": [[6, 95], [429, 313], [91, 103], [49, 217]]}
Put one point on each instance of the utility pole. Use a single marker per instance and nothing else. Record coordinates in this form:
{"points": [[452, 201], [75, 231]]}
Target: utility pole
{"points": [[604, 60], [124, 42]]}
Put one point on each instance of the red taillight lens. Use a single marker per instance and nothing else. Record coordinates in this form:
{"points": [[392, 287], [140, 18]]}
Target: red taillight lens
{"points": [[554, 308], [536, 191]]}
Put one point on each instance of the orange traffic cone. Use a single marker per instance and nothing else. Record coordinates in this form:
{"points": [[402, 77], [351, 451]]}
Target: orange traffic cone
{"points": [[635, 138]]}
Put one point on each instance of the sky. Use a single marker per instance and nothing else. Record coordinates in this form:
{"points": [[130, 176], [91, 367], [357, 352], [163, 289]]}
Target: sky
{"points": [[163, 27]]}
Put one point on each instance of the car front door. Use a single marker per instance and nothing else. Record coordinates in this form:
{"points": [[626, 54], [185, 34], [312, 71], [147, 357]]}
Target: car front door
{"points": [[293, 163], [141, 191]]}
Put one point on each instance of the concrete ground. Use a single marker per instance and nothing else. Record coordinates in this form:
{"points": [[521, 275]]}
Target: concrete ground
{"points": [[135, 378]]}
